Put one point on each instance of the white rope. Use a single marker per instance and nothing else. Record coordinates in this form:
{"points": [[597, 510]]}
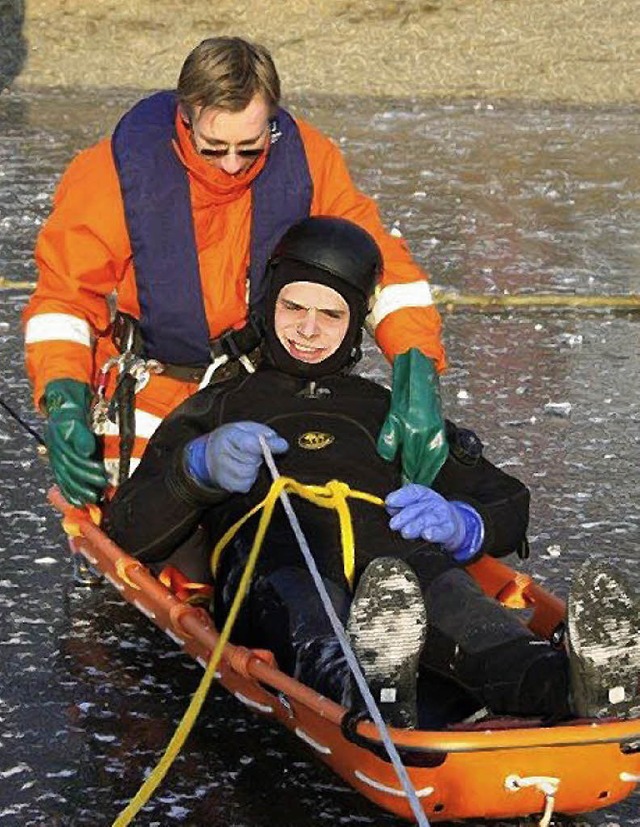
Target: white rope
{"points": [[548, 786], [145, 611], [218, 362], [253, 704], [399, 767], [318, 747], [628, 776], [422, 793], [211, 369]]}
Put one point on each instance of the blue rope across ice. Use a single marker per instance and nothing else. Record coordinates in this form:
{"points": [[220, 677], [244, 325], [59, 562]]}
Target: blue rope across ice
{"points": [[401, 772]]}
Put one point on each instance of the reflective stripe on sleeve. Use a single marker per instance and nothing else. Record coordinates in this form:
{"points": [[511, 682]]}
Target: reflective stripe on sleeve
{"points": [[396, 296], [146, 424], [112, 467], [49, 327]]}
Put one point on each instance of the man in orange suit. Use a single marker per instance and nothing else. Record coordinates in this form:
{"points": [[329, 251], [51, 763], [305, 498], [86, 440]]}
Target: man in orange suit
{"points": [[174, 218]]}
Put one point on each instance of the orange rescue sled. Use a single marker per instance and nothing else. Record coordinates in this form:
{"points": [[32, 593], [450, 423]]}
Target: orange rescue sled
{"points": [[497, 770]]}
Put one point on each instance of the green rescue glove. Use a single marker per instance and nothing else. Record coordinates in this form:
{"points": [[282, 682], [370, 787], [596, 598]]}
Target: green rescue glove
{"points": [[414, 422], [70, 443]]}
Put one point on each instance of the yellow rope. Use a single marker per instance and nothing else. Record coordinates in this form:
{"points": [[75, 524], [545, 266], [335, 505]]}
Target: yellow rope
{"points": [[500, 301], [7, 284], [333, 495], [188, 719], [490, 302]]}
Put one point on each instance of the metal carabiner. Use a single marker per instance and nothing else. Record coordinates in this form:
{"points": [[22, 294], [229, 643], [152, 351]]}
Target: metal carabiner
{"points": [[139, 369], [101, 422]]}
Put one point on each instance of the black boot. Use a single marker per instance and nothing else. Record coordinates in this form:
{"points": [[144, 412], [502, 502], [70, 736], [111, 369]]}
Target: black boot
{"points": [[387, 627], [604, 643], [486, 649], [288, 617]]}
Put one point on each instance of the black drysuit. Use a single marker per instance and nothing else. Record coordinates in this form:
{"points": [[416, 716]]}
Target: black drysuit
{"points": [[332, 427]]}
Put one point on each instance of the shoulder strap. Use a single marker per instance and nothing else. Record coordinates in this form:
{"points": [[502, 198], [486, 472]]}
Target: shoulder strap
{"points": [[281, 196], [155, 191]]}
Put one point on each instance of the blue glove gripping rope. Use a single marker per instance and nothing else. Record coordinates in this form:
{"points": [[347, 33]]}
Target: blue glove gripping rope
{"points": [[230, 456], [401, 772]]}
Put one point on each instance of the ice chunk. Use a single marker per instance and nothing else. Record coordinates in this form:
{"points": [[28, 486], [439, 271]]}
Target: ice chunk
{"points": [[558, 409]]}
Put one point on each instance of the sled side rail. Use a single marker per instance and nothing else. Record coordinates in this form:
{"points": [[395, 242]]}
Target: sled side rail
{"points": [[193, 628]]}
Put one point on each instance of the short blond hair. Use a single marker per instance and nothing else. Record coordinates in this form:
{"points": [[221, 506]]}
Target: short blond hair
{"points": [[226, 73]]}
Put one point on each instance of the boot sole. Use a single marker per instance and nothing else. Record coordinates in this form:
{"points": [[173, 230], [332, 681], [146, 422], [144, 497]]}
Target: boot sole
{"points": [[387, 626], [604, 643]]}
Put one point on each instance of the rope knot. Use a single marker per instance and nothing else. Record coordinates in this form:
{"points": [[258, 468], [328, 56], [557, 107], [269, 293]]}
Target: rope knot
{"points": [[334, 494], [338, 490]]}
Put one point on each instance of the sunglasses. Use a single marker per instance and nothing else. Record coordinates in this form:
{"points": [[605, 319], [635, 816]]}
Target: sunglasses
{"points": [[207, 152], [222, 153]]}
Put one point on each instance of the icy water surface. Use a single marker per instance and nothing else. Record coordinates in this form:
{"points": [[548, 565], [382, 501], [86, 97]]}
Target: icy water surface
{"points": [[490, 198]]}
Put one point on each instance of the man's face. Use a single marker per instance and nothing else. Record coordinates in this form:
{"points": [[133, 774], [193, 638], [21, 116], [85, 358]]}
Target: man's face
{"points": [[231, 141], [311, 320]]}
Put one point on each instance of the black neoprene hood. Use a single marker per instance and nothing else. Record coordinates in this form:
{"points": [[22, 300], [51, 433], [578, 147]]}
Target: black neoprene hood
{"points": [[330, 251]]}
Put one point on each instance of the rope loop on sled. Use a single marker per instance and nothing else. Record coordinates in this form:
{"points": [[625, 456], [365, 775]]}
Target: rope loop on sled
{"points": [[548, 786], [123, 566], [74, 516]]}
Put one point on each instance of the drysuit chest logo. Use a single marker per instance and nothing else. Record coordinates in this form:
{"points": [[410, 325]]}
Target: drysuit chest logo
{"points": [[315, 440]]}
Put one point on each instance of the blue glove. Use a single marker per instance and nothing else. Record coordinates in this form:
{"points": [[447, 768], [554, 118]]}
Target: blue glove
{"points": [[230, 457], [418, 512]]}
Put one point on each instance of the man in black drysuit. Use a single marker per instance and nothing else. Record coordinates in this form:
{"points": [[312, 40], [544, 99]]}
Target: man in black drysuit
{"points": [[203, 470]]}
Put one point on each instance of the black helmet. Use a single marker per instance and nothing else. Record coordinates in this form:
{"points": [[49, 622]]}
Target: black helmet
{"points": [[335, 245], [330, 251]]}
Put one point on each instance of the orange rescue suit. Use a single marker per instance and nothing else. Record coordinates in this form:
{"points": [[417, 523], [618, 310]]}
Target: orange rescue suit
{"points": [[85, 265]]}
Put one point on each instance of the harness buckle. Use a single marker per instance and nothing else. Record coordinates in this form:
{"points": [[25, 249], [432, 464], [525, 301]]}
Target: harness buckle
{"points": [[234, 346], [236, 343]]}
